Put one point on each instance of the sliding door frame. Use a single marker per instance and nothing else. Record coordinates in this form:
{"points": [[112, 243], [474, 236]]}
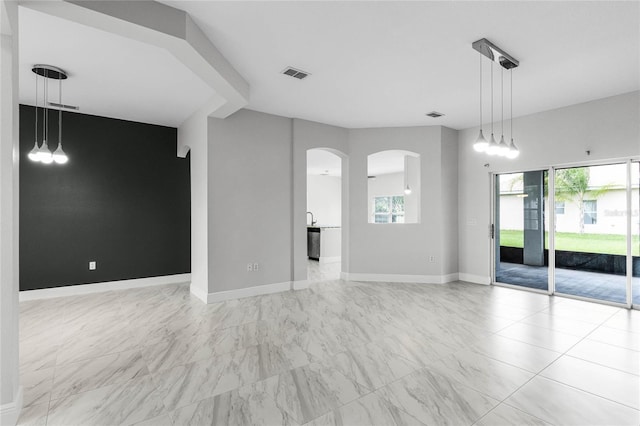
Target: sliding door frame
{"points": [[551, 290]]}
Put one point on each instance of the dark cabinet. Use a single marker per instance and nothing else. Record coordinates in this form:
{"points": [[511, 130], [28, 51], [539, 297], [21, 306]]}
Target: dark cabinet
{"points": [[313, 243]]}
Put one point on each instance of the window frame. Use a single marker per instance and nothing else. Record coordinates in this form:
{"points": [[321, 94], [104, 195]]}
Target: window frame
{"points": [[390, 214], [588, 213]]}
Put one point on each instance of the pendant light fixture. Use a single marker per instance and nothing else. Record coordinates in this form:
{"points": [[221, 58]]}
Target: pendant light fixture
{"points": [[407, 188], [33, 154], [506, 61], [43, 154], [503, 148], [513, 149], [492, 148], [481, 143], [59, 155]]}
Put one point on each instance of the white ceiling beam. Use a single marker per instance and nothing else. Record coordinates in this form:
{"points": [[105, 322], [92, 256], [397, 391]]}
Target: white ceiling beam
{"points": [[165, 27]]}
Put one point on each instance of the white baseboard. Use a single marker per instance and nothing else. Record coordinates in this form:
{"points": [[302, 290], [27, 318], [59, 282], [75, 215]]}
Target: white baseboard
{"points": [[74, 290], [475, 279], [9, 413], [300, 284], [399, 278], [328, 259], [221, 296], [202, 295]]}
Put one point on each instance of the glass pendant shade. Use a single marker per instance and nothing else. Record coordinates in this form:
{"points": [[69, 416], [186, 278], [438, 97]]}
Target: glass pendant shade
{"points": [[481, 143], [59, 155], [503, 148], [493, 148], [44, 155], [33, 154], [513, 150], [407, 190]]}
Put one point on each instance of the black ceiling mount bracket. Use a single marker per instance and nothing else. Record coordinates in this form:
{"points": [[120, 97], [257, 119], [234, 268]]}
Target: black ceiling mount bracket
{"points": [[494, 53], [49, 71]]}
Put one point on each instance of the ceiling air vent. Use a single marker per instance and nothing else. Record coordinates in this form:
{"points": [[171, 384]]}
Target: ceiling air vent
{"points": [[434, 114], [296, 73]]}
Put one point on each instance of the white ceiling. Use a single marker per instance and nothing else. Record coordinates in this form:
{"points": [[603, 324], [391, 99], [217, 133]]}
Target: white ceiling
{"points": [[379, 64], [373, 64], [109, 75]]}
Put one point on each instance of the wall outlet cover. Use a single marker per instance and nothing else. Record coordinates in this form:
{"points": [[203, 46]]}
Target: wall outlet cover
{"points": [[93, 265]]}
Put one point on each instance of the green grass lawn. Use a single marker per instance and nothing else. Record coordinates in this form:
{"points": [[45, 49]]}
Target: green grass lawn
{"points": [[589, 243]]}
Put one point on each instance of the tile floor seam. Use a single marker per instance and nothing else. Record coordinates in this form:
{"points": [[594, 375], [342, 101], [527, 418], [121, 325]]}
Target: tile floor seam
{"points": [[590, 393], [515, 408], [598, 363]]}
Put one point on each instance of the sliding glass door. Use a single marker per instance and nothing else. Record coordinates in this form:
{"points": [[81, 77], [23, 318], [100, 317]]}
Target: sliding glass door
{"points": [[591, 232], [591, 219], [635, 234], [519, 230]]}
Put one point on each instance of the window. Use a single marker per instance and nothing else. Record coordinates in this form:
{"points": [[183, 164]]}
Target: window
{"points": [[559, 207], [388, 209], [590, 212], [393, 187]]}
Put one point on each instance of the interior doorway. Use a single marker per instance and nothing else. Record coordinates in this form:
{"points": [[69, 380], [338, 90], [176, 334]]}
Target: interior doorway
{"points": [[324, 215]]}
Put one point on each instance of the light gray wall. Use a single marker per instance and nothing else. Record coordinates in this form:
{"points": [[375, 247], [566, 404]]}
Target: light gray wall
{"points": [[9, 167], [608, 127], [449, 201], [324, 199], [396, 248], [308, 135], [250, 199]]}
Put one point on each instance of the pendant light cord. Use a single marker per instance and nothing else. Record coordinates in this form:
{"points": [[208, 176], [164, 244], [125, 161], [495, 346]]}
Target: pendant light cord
{"points": [[480, 56], [36, 132], [45, 130], [511, 103], [60, 113], [502, 101], [492, 97]]}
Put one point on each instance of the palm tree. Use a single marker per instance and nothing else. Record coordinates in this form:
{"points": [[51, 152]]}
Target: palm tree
{"points": [[573, 185]]}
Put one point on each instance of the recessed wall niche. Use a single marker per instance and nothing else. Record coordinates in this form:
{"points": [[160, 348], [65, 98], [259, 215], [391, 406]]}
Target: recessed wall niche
{"points": [[393, 187]]}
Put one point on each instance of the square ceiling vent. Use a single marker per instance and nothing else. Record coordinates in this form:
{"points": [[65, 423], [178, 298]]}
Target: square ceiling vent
{"points": [[295, 73]]}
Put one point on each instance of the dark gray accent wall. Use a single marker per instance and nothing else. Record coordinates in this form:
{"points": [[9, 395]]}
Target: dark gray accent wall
{"points": [[123, 200]]}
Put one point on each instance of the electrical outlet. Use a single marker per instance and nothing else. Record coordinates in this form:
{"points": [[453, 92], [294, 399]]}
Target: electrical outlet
{"points": [[249, 267], [256, 266], [93, 265], [432, 258]]}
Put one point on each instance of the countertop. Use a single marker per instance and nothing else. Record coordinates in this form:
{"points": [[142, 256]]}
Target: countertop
{"points": [[323, 226]]}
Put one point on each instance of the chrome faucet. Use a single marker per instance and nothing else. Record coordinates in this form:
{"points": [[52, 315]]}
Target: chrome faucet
{"points": [[313, 222]]}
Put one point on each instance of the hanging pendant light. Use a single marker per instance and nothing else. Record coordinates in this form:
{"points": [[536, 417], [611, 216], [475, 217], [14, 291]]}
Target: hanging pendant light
{"points": [[493, 148], [42, 153], [33, 154], [59, 155], [503, 148], [407, 188], [513, 149], [481, 143], [506, 61]]}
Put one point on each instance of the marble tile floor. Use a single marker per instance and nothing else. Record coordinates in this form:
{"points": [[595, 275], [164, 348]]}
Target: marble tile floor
{"points": [[338, 353]]}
